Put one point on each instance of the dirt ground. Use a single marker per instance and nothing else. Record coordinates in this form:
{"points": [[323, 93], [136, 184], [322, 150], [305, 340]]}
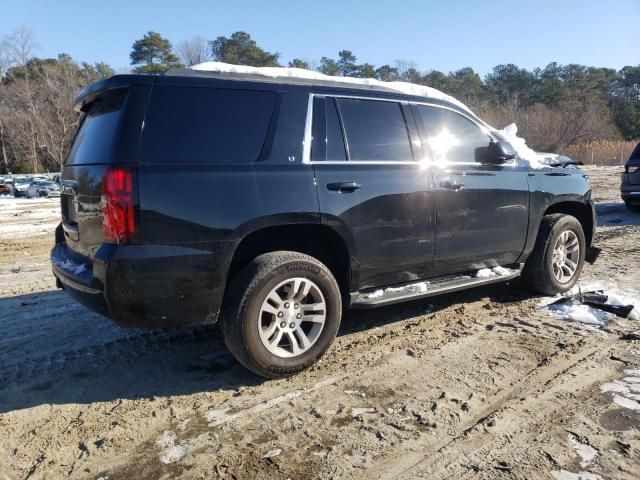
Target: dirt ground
{"points": [[481, 384]]}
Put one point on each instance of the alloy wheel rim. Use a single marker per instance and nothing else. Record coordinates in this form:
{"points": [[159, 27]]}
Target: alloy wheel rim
{"points": [[292, 317], [566, 256]]}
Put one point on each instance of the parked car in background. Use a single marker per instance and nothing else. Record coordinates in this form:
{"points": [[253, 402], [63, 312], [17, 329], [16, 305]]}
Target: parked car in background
{"points": [[630, 186], [43, 188], [6, 186], [20, 187], [292, 196]]}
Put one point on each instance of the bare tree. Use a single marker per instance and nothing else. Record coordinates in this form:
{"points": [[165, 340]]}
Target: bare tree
{"points": [[194, 51], [20, 46], [552, 129], [15, 51]]}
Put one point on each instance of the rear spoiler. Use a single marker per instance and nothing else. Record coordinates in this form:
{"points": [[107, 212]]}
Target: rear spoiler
{"points": [[89, 93]]}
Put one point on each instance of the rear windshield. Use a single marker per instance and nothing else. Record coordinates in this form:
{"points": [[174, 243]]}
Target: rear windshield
{"points": [[635, 155], [206, 125], [94, 142]]}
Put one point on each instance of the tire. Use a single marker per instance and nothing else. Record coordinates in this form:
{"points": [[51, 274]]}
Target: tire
{"points": [[247, 318], [538, 272], [632, 207]]}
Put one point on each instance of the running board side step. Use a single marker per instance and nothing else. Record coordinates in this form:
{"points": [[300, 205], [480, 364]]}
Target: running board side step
{"points": [[428, 288]]}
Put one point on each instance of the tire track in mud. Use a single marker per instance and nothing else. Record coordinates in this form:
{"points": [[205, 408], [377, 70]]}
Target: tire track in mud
{"points": [[395, 363], [360, 354], [534, 390]]}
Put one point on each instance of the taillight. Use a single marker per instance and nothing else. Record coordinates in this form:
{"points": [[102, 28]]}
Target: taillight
{"points": [[118, 216]]}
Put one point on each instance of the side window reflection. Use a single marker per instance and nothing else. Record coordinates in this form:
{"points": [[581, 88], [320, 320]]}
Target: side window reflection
{"points": [[450, 137]]}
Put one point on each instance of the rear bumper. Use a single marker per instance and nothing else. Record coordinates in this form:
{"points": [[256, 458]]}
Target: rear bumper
{"points": [[144, 286], [632, 196], [629, 192]]}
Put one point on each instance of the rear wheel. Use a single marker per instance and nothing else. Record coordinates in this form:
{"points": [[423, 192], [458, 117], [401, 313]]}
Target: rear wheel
{"points": [[282, 313], [557, 259]]}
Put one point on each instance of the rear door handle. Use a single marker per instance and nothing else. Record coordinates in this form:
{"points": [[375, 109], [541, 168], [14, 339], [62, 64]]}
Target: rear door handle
{"points": [[343, 187], [451, 185]]}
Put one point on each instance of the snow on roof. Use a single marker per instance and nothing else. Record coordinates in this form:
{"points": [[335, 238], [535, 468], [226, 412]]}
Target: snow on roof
{"points": [[509, 133], [290, 72]]}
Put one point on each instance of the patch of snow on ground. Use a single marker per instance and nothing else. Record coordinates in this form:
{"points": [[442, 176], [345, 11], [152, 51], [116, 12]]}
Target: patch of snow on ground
{"points": [[590, 315], [581, 314], [626, 392], [586, 452], [218, 416], [170, 451], [272, 453], [567, 475]]}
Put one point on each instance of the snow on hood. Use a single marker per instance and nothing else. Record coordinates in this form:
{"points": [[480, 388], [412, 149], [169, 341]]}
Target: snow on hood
{"points": [[509, 133], [519, 144]]}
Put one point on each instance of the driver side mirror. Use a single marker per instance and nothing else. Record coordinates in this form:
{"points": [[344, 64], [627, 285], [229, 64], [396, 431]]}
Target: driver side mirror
{"points": [[499, 153]]}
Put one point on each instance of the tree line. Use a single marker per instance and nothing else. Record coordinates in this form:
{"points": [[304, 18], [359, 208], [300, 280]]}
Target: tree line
{"points": [[555, 107]]}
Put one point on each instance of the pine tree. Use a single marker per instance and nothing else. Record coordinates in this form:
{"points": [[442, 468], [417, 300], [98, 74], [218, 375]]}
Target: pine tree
{"points": [[241, 49], [153, 54]]}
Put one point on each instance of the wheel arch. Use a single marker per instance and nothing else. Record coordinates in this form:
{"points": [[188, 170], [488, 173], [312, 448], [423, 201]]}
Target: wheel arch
{"points": [[583, 212], [315, 239]]}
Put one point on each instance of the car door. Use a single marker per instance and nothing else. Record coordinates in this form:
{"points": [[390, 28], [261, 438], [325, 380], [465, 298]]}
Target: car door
{"points": [[371, 189], [482, 209]]}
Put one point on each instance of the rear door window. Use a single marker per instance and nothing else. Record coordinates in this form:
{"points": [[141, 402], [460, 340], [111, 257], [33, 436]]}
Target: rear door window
{"points": [[206, 125], [375, 130]]}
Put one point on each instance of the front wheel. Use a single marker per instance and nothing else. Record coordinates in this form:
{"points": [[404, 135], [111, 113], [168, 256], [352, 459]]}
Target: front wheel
{"points": [[557, 259], [281, 314]]}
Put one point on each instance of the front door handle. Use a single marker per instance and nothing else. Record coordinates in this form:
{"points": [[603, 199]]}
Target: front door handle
{"points": [[343, 187], [451, 184]]}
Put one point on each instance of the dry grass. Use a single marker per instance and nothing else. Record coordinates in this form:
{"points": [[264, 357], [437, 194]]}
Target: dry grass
{"points": [[601, 152]]}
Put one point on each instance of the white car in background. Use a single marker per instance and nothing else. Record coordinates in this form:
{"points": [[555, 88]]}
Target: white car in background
{"points": [[20, 187], [43, 188]]}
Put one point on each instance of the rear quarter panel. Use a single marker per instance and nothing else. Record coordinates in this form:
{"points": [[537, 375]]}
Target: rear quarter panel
{"points": [[210, 207]]}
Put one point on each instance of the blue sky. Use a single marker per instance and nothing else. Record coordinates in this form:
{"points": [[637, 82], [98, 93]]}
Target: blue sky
{"points": [[444, 35]]}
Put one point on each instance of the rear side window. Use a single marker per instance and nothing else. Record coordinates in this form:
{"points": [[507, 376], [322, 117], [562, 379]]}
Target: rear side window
{"points": [[95, 141], [375, 130], [206, 125], [450, 136]]}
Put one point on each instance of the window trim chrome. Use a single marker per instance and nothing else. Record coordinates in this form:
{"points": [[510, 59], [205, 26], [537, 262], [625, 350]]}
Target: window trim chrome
{"points": [[306, 153]]}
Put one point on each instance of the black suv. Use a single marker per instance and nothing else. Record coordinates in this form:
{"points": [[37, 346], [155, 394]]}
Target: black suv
{"points": [[268, 204], [630, 186]]}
